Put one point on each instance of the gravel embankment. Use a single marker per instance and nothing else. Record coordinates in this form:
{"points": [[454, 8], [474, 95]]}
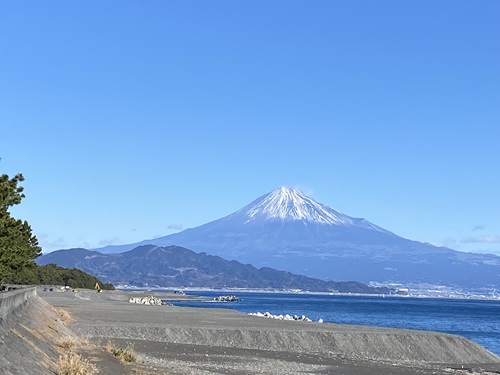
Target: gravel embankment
{"points": [[175, 340]]}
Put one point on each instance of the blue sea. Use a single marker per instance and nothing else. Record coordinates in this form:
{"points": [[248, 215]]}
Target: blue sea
{"points": [[478, 320]]}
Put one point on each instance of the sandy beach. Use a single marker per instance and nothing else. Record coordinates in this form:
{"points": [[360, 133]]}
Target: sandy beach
{"points": [[175, 340]]}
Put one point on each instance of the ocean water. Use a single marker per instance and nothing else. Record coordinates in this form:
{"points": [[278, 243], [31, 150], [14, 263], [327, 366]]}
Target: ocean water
{"points": [[478, 320]]}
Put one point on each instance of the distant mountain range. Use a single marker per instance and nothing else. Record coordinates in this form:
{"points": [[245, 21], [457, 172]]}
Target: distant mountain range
{"points": [[175, 266], [289, 231]]}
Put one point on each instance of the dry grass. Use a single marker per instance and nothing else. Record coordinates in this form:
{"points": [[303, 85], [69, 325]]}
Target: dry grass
{"points": [[124, 355], [85, 342], [63, 314], [67, 343], [70, 343], [73, 364]]}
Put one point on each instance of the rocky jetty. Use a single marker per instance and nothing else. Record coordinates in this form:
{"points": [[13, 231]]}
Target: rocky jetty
{"points": [[298, 318], [149, 300]]}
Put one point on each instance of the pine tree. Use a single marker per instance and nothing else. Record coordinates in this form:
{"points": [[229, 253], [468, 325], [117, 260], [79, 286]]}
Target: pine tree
{"points": [[18, 246]]}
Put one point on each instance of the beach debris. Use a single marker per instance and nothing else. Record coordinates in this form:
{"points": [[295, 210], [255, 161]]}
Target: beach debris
{"points": [[298, 318], [149, 300], [227, 299]]}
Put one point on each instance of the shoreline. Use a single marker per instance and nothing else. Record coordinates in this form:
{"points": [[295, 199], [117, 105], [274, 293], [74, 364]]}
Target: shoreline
{"points": [[476, 320], [181, 340], [245, 290]]}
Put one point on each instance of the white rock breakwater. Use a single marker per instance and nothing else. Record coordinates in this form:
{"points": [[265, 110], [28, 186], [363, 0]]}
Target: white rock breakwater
{"points": [[227, 299], [301, 318], [149, 300]]}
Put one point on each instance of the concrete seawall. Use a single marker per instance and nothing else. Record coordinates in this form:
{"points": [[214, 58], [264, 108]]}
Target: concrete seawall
{"points": [[30, 330], [11, 301]]}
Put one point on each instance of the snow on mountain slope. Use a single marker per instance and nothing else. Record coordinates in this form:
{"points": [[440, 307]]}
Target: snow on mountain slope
{"points": [[290, 204], [287, 204]]}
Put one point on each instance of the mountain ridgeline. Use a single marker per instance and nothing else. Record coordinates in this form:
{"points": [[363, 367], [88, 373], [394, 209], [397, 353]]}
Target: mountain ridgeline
{"points": [[287, 230], [174, 266]]}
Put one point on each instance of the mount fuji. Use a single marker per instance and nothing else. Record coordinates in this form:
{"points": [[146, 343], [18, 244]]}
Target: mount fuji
{"points": [[287, 230]]}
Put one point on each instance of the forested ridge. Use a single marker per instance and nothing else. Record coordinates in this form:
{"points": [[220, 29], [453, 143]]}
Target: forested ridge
{"points": [[52, 274]]}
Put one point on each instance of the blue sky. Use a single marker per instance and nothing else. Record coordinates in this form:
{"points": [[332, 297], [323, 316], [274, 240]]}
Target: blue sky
{"points": [[133, 119]]}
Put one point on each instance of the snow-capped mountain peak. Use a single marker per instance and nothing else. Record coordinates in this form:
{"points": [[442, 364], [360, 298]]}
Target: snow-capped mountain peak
{"points": [[289, 204]]}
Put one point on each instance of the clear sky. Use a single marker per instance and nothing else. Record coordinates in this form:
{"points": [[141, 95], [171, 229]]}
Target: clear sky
{"points": [[134, 119]]}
